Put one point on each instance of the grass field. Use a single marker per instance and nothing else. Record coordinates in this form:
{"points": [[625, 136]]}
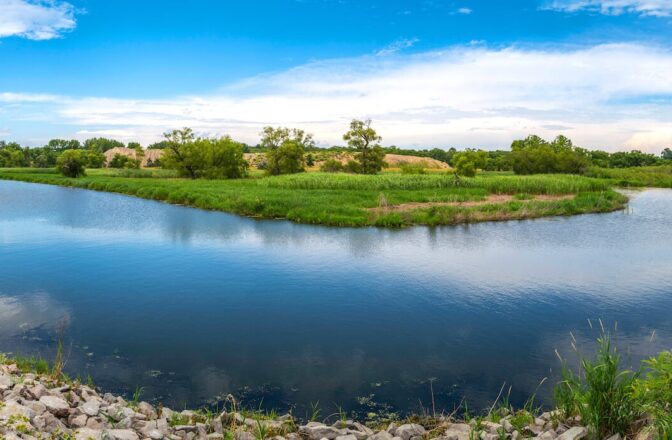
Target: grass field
{"points": [[351, 200]]}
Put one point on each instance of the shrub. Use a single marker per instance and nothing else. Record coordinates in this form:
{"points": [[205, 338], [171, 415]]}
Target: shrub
{"points": [[71, 163], [413, 168], [286, 159], [331, 166]]}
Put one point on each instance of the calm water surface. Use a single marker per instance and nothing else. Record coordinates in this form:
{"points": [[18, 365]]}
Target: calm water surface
{"points": [[194, 305]]}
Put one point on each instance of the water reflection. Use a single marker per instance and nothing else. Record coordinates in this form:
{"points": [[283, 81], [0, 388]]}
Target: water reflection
{"points": [[194, 304]]}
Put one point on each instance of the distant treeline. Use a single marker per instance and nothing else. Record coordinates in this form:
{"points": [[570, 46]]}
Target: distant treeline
{"points": [[531, 155]]}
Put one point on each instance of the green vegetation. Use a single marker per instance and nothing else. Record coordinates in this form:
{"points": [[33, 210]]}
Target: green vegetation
{"points": [[354, 200], [203, 158], [285, 150], [71, 163], [364, 139], [612, 400], [658, 176]]}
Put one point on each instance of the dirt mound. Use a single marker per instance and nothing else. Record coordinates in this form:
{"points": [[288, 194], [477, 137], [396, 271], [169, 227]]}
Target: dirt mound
{"points": [[395, 160]]}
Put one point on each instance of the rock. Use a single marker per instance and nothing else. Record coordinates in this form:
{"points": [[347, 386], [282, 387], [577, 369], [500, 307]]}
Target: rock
{"points": [[11, 408], [244, 435], [318, 431], [382, 435], [515, 435], [506, 424], [392, 428], [147, 410], [95, 423], [185, 428], [88, 434], [409, 430], [37, 391], [460, 427], [215, 436], [547, 435], [37, 407], [456, 435], [5, 382], [217, 425], [55, 405], [646, 434], [48, 422], [487, 436], [491, 427], [77, 421], [155, 434], [615, 437], [575, 433], [90, 407], [123, 434], [346, 437]]}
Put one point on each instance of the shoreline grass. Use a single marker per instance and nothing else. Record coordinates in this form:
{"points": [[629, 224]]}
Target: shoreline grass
{"points": [[346, 200]]}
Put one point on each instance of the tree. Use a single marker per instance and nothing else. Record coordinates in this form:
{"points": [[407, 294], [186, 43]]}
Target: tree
{"points": [[71, 163], [134, 145], [102, 144], [202, 157], [667, 154], [123, 161], [12, 155], [60, 145], [285, 149], [467, 162], [288, 158], [534, 155], [226, 159], [178, 154], [365, 140], [93, 158]]}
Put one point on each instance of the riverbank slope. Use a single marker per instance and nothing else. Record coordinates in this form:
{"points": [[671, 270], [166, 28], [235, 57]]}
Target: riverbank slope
{"points": [[389, 199]]}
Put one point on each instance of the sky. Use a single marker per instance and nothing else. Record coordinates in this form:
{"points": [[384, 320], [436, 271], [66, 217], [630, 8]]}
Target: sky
{"points": [[429, 73]]}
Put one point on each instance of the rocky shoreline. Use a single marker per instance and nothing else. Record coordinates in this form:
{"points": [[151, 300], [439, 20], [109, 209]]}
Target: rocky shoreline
{"points": [[34, 406]]}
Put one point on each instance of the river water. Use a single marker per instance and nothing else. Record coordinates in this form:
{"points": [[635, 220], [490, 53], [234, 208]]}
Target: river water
{"points": [[193, 305]]}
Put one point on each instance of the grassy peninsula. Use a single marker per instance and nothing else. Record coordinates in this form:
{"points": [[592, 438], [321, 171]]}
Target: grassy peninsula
{"points": [[389, 199]]}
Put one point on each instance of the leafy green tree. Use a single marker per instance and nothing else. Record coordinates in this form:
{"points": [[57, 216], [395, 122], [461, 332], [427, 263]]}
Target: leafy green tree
{"points": [[93, 158], [12, 155], [71, 163], [534, 155], [285, 149], [309, 160], [226, 159], [202, 157], [134, 145], [667, 154], [102, 144], [363, 138], [634, 158], [464, 166], [124, 161], [60, 145], [179, 153]]}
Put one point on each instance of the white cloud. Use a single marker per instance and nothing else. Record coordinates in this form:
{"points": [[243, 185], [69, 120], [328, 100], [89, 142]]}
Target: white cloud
{"points": [[36, 19], [611, 96], [464, 11], [655, 8], [399, 45]]}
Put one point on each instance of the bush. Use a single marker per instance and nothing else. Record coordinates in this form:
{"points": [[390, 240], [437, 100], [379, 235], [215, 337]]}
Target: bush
{"points": [[413, 168], [331, 166], [123, 161], [71, 163], [286, 159]]}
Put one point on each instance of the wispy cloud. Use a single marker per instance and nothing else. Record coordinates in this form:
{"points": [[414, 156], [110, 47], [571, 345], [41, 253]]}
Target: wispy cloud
{"points": [[464, 11], [461, 96], [36, 19], [397, 46], [655, 8]]}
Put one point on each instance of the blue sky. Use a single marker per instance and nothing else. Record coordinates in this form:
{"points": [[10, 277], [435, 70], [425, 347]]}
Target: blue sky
{"points": [[466, 73]]}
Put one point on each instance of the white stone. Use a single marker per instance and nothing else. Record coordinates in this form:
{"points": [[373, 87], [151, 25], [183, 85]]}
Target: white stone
{"points": [[123, 434], [409, 430], [575, 433], [88, 434], [55, 405]]}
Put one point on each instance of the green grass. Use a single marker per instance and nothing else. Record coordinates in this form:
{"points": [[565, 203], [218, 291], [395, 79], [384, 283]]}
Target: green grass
{"points": [[347, 200], [659, 176]]}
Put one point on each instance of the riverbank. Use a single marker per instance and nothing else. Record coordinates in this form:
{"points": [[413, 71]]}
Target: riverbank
{"points": [[389, 200], [35, 406]]}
